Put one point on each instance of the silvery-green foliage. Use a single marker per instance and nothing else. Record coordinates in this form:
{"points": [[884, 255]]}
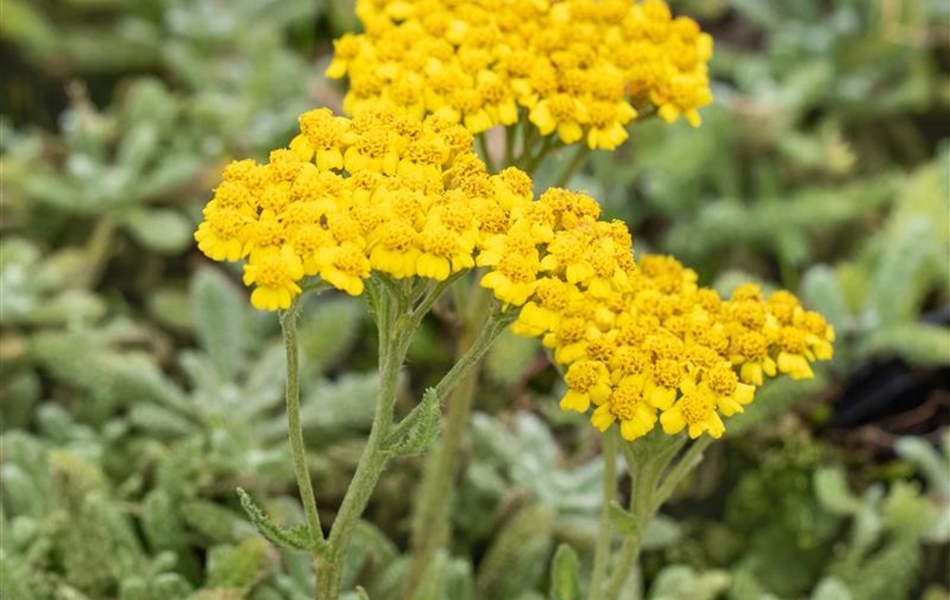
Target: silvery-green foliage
{"points": [[518, 555], [883, 531], [126, 161], [565, 574], [524, 464], [874, 303], [679, 582]]}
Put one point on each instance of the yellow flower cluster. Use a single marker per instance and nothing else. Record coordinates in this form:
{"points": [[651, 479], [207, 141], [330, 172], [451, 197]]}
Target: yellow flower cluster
{"points": [[642, 342], [381, 191], [579, 68]]}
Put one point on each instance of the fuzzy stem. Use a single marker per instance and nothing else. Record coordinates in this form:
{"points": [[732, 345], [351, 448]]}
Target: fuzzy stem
{"points": [[394, 336], [288, 324], [647, 460], [577, 161], [430, 526], [485, 151], [604, 536]]}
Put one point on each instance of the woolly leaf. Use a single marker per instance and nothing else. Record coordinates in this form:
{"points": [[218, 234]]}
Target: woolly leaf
{"points": [[518, 554], [419, 429], [919, 343], [161, 230], [510, 357], [565, 577], [680, 582], [925, 458], [661, 532], [831, 588], [170, 585], [218, 310], [134, 588], [329, 330], [292, 539], [215, 521], [621, 520], [160, 421], [895, 293], [161, 521], [240, 566], [432, 586], [822, 292], [459, 584], [368, 551], [831, 489], [890, 573]]}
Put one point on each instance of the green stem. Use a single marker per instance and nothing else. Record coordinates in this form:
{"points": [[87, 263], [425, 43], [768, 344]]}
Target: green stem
{"points": [[485, 152], [604, 536], [511, 132], [683, 467], [647, 459], [431, 521], [578, 160], [528, 135], [288, 324], [394, 337], [548, 144]]}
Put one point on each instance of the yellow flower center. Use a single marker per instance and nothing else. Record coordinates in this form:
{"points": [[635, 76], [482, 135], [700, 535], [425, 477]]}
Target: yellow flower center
{"points": [[722, 379]]}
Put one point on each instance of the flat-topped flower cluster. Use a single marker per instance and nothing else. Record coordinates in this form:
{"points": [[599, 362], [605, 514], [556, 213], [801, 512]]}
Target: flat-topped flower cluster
{"points": [[642, 342], [382, 191], [581, 70]]}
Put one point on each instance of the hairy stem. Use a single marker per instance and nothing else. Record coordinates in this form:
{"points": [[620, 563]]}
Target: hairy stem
{"points": [[605, 534], [288, 324], [394, 336], [430, 525]]}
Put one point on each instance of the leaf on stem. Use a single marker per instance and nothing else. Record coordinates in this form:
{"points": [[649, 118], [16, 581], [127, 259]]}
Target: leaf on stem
{"points": [[565, 579], [418, 430], [293, 538], [622, 520]]}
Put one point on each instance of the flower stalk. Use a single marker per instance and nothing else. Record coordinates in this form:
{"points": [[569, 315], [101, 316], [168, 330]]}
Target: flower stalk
{"points": [[288, 324]]}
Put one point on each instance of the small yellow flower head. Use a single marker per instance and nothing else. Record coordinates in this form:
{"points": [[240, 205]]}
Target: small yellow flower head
{"points": [[382, 191], [577, 69]]}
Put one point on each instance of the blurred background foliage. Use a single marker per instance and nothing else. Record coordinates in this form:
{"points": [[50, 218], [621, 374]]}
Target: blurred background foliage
{"points": [[139, 389]]}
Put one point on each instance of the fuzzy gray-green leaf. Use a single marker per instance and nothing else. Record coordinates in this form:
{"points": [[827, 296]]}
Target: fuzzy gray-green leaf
{"points": [[292, 539], [565, 576], [218, 309]]}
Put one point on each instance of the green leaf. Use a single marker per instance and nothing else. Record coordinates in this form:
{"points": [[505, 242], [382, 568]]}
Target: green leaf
{"points": [[161, 230], [831, 489], [297, 538], [565, 577], [518, 554], [895, 294], [329, 331], [661, 532], [419, 429], [240, 566], [218, 310], [831, 588], [918, 343], [621, 520], [925, 458], [680, 582], [510, 357], [822, 292]]}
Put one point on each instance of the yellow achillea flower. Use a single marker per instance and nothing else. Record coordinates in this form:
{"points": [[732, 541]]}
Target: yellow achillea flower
{"points": [[580, 69], [641, 342], [381, 191]]}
